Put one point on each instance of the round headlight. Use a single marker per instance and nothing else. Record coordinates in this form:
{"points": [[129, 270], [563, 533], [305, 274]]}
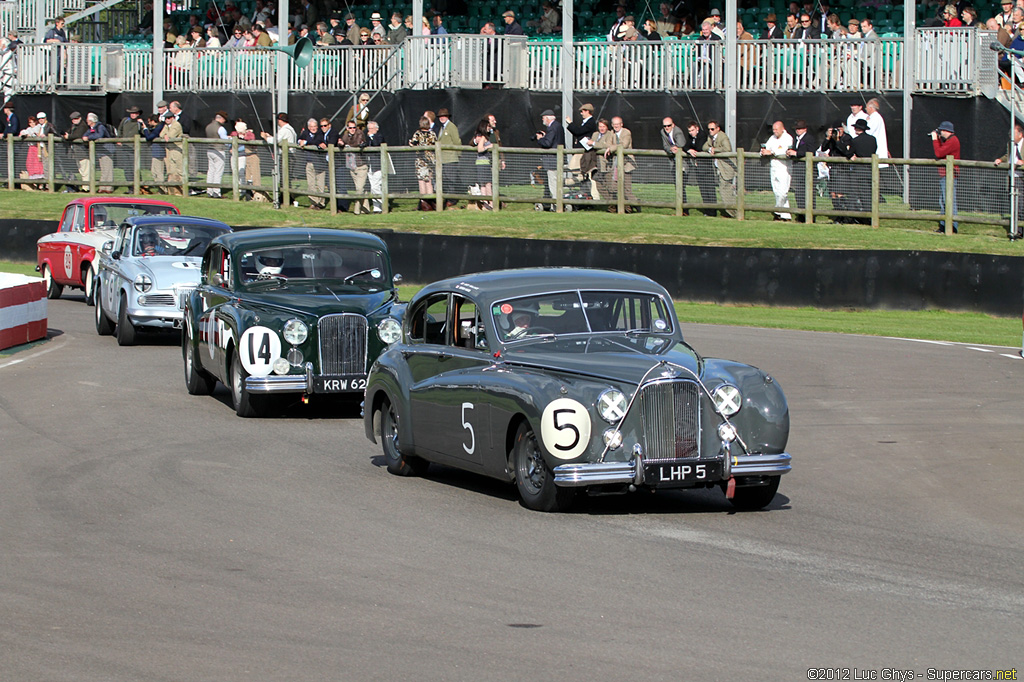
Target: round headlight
{"points": [[143, 283], [281, 366], [612, 439], [728, 400], [611, 405], [727, 432], [389, 330], [295, 332], [295, 357]]}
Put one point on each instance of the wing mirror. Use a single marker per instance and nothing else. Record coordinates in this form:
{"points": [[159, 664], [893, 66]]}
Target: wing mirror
{"points": [[116, 255], [397, 279]]}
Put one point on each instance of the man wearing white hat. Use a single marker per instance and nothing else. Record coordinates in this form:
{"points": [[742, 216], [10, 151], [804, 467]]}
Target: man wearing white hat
{"points": [[377, 28]]}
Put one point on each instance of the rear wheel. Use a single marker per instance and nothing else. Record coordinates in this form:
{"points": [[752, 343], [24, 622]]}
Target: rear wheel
{"points": [[752, 498], [246, 404], [534, 479], [104, 327], [53, 290], [398, 464], [197, 380], [89, 281], [125, 328]]}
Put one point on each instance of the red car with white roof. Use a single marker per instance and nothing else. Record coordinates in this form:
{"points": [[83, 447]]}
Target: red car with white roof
{"points": [[67, 257]]}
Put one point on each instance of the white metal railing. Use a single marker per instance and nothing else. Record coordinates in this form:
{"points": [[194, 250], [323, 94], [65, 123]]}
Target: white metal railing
{"points": [[946, 60], [66, 67]]}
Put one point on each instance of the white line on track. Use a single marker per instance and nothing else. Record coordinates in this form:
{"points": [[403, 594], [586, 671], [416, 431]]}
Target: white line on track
{"points": [[56, 346]]}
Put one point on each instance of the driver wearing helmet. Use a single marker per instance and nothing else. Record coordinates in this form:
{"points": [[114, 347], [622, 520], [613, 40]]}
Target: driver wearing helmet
{"points": [[269, 263], [522, 318], [149, 243], [99, 217]]}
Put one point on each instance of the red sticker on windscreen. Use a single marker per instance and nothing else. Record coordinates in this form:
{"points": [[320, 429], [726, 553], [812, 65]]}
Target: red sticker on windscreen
{"points": [[506, 308]]}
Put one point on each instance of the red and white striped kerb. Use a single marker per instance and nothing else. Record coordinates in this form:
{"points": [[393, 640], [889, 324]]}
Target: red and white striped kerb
{"points": [[22, 309]]}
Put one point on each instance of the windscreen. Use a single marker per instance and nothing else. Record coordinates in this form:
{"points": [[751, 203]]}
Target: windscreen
{"points": [[173, 240], [581, 312], [343, 264], [112, 215]]}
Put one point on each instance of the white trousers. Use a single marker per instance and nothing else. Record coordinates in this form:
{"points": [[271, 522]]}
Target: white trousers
{"points": [[780, 187], [214, 171], [376, 189]]}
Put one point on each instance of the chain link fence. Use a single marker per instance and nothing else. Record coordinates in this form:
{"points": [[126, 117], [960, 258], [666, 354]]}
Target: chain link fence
{"points": [[741, 184]]}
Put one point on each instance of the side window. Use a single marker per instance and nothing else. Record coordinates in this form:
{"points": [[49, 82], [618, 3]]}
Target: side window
{"points": [[68, 218], [427, 321], [469, 329], [78, 219], [122, 240], [213, 267]]}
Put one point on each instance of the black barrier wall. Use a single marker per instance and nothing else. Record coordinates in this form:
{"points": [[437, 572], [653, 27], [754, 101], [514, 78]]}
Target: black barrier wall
{"points": [[913, 280]]}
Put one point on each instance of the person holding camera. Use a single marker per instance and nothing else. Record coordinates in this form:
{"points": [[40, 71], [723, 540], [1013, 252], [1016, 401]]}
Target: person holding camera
{"points": [[946, 143], [837, 144]]}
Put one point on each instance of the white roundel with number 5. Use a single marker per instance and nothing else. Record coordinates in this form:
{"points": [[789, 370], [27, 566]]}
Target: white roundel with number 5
{"points": [[257, 349], [565, 428]]}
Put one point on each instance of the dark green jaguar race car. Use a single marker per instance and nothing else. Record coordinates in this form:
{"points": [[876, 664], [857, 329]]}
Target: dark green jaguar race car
{"points": [[296, 311], [563, 379]]}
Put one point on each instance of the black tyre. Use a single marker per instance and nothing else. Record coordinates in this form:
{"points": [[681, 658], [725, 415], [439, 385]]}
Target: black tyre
{"points": [[53, 290], [89, 282], [398, 464], [756, 497], [534, 479], [245, 403], [104, 327], [197, 380], [125, 328]]}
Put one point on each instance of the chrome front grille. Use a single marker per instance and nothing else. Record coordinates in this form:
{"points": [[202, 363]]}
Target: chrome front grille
{"points": [[157, 299], [342, 344], [182, 293], [670, 412]]}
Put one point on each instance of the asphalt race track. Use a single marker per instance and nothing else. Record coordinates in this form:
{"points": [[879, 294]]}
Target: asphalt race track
{"points": [[149, 535]]}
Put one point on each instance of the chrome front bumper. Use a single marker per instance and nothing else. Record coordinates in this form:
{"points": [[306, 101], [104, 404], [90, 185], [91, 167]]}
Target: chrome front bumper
{"points": [[289, 383], [579, 474]]}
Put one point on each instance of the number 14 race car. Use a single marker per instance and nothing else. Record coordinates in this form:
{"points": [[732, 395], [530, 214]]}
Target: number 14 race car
{"points": [[566, 379]]}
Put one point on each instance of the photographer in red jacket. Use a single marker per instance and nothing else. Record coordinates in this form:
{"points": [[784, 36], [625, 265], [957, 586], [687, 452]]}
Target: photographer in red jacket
{"points": [[946, 143]]}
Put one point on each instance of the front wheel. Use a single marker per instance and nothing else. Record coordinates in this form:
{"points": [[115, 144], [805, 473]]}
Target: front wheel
{"points": [[245, 403], [53, 290], [104, 327], [397, 463], [752, 498], [534, 479], [89, 281], [125, 328], [197, 380]]}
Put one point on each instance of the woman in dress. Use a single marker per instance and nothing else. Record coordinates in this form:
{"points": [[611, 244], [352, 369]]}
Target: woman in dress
{"points": [[34, 166], [423, 137]]}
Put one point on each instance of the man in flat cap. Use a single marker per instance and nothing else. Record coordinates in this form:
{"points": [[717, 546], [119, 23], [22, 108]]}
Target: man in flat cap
{"points": [[130, 126], [512, 27], [77, 148], [804, 143], [551, 137], [215, 153], [171, 136]]}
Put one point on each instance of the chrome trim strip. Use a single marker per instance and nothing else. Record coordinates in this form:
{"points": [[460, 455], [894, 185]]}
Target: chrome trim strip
{"points": [[761, 465], [288, 383], [596, 473]]}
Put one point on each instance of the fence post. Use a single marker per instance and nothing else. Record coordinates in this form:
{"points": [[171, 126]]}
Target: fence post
{"points": [[284, 152], [92, 166], [234, 168], [385, 168], [50, 164], [876, 189], [950, 194], [495, 177], [332, 182], [741, 183], [137, 164], [10, 162], [620, 180], [680, 186], [185, 170], [560, 178], [439, 185], [809, 188]]}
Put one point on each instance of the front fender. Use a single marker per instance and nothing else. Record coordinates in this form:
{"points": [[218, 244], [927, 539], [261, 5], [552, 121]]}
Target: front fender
{"points": [[763, 420]]}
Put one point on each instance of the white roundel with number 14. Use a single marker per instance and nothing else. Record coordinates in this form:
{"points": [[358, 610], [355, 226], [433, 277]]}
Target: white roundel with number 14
{"points": [[565, 428], [257, 349]]}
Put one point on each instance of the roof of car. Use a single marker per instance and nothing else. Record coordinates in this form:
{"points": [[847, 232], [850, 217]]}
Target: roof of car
{"points": [[503, 284], [89, 201], [166, 219], [285, 236]]}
